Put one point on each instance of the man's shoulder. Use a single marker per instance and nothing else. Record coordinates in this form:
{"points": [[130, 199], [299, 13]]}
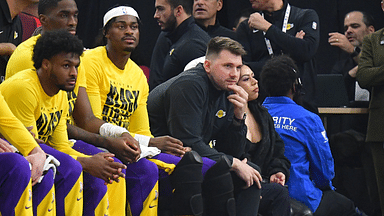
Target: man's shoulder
{"points": [[301, 13], [223, 31], [26, 47], [188, 79], [95, 57], [196, 34], [23, 81], [377, 33], [94, 53]]}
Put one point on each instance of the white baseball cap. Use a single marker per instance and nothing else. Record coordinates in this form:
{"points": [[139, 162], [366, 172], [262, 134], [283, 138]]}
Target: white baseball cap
{"points": [[119, 11]]}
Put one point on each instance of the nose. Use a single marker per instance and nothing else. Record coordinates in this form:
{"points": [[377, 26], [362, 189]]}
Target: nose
{"points": [[156, 15], [234, 72], [72, 21], [349, 30], [73, 71], [129, 30], [198, 2], [254, 81]]}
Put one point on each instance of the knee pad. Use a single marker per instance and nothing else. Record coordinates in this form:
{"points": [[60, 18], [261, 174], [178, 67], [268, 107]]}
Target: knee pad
{"points": [[217, 189], [186, 180]]}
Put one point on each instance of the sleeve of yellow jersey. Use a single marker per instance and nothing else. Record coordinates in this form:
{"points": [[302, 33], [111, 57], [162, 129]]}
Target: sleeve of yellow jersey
{"points": [[139, 121], [14, 131]]}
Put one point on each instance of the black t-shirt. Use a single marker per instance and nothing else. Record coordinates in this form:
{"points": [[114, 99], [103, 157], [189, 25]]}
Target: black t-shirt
{"points": [[10, 32]]}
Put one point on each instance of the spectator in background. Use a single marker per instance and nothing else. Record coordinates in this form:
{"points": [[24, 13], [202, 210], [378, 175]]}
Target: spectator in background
{"points": [[305, 139], [11, 30], [279, 28], [180, 41], [357, 24], [370, 75], [30, 20], [243, 15], [204, 12]]}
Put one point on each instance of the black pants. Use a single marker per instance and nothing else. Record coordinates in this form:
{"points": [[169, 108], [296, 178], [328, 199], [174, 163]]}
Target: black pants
{"points": [[335, 204], [274, 201], [247, 200]]}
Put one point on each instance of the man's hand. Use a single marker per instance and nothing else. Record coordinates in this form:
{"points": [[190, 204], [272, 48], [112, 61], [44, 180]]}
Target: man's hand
{"points": [[7, 48], [37, 159], [256, 21], [34, 135], [239, 99], [300, 34], [127, 150], [341, 41], [353, 71], [169, 145], [278, 178], [5, 147], [246, 172], [102, 166]]}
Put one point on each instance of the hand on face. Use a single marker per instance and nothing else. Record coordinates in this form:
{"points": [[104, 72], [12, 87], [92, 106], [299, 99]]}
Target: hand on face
{"points": [[239, 99]]}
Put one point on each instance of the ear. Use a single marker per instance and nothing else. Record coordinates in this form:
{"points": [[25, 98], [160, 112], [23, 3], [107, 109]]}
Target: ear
{"points": [[294, 88], [45, 64], [106, 35], [371, 29], [43, 19], [207, 66], [178, 10], [219, 5]]}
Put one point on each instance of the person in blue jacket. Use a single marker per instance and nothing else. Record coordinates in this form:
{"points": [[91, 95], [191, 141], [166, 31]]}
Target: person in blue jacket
{"points": [[305, 139]]}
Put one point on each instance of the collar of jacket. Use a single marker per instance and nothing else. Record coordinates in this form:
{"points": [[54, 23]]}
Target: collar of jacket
{"points": [[210, 27], [176, 34], [276, 15]]}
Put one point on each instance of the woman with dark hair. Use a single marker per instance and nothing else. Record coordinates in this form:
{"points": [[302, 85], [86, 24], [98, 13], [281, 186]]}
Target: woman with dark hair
{"points": [[265, 148]]}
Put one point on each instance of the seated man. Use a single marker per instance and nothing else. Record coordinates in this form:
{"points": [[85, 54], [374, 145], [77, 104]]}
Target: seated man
{"points": [[38, 98], [305, 139], [118, 92], [197, 107], [116, 139], [19, 174]]}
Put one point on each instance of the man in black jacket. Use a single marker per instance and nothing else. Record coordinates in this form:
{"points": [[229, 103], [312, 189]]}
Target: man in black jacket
{"points": [[279, 28], [205, 13], [180, 41], [204, 108], [10, 29]]}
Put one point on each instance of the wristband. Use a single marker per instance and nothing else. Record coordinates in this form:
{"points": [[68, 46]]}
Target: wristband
{"points": [[356, 52], [110, 130]]}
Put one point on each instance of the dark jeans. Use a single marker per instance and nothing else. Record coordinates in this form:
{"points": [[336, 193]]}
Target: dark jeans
{"points": [[247, 200], [274, 201], [335, 204]]}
